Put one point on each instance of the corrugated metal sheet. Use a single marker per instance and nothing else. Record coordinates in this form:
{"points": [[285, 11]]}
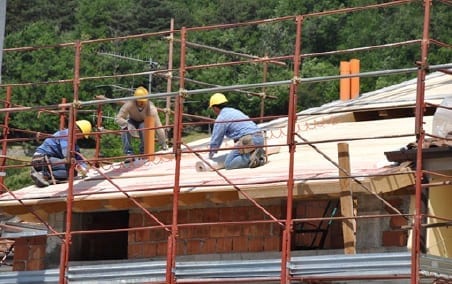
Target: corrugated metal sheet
{"points": [[341, 267], [437, 267]]}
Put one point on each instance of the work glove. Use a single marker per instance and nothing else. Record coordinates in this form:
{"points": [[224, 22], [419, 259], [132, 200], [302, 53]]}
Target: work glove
{"points": [[81, 170]]}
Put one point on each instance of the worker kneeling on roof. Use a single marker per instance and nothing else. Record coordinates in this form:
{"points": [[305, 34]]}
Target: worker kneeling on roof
{"points": [[234, 124], [50, 163]]}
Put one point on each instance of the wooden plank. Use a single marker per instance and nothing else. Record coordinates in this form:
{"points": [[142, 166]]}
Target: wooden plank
{"points": [[29, 217], [119, 204], [17, 210], [51, 207], [390, 183], [222, 197], [88, 205], [346, 199], [156, 201], [191, 198]]}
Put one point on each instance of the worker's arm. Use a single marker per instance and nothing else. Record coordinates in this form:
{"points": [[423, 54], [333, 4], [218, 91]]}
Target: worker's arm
{"points": [[218, 132], [122, 116]]}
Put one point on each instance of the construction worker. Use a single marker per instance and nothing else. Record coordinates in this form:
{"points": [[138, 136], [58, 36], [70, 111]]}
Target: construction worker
{"points": [[234, 124], [50, 162], [131, 117]]}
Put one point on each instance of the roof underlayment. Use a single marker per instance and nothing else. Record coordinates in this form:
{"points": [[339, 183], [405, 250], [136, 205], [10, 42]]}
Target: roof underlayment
{"points": [[314, 174]]}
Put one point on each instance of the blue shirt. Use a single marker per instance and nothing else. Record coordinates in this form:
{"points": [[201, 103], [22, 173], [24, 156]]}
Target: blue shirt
{"points": [[57, 146], [225, 125]]}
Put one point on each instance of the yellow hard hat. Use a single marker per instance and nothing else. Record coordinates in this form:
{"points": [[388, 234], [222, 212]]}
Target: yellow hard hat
{"points": [[217, 99], [84, 126], [140, 92]]}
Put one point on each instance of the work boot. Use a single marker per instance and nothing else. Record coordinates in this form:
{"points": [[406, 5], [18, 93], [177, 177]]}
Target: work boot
{"points": [[257, 158], [39, 179], [262, 161], [129, 159]]}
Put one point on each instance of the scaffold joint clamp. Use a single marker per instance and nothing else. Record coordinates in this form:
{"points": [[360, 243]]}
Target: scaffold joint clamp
{"points": [[296, 80], [77, 103], [183, 93]]}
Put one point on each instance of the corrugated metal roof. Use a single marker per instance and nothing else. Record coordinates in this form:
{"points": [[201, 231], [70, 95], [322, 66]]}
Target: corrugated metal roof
{"points": [[382, 266]]}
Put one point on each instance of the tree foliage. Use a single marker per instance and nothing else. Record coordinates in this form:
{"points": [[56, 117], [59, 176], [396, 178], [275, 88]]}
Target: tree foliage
{"points": [[53, 22]]}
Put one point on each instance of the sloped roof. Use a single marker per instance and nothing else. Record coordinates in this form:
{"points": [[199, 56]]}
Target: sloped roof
{"points": [[152, 182]]}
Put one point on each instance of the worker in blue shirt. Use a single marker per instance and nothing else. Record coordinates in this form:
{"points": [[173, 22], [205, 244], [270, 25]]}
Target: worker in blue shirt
{"points": [[49, 162], [234, 124]]}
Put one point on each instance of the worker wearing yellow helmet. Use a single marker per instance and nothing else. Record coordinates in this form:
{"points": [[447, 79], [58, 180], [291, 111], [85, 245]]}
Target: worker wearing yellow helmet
{"points": [[50, 160], [217, 99], [141, 93], [85, 127], [130, 118], [234, 124]]}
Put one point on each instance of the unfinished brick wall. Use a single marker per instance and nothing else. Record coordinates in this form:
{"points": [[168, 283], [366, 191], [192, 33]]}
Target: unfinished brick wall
{"points": [[29, 253], [210, 238], [317, 234], [396, 236]]}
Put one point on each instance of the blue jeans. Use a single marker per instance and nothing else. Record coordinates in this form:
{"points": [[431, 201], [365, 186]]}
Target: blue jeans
{"points": [[236, 160], [126, 138], [59, 167]]}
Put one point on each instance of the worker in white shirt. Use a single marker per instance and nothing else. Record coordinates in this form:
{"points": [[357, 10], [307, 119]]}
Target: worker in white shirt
{"points": [[131, 117]]}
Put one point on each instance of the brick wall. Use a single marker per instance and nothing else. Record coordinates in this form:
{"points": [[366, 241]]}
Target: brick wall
{"points": [[29, 253], [396, 236], [210, 238], [317, 234]]}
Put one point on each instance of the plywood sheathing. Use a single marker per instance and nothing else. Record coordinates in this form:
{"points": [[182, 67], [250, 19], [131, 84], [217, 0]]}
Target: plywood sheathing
{"points": [[314, 175]]}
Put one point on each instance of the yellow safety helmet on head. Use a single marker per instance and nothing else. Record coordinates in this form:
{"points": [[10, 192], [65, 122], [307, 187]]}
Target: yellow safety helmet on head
{"points": [[140, 92], [217, 99], [84, 126]]}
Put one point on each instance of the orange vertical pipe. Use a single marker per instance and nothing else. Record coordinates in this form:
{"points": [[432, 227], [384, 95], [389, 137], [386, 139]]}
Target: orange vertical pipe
{"points": [[149, 137], [344, 82], [354, 69]]}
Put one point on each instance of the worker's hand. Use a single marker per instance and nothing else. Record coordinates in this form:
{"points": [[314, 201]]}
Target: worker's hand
{"points": [[81, 170]]}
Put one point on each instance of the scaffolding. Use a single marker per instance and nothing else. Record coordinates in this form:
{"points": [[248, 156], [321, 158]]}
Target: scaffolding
{"points": [[175, 120]]}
